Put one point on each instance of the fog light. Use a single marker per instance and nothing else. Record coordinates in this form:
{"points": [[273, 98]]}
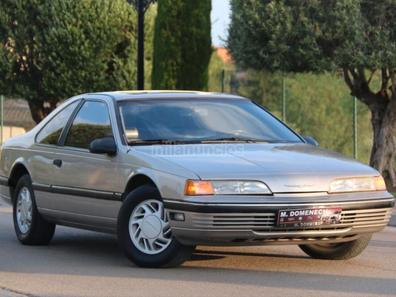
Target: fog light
{"points": [[177, 216]]}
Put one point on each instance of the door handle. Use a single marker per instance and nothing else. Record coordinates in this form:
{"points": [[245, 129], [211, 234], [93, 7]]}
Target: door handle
{"points": [[57, 163]]}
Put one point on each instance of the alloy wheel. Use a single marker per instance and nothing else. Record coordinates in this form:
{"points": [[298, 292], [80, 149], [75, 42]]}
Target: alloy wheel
{"points": [[24, 207], [149, 227]]}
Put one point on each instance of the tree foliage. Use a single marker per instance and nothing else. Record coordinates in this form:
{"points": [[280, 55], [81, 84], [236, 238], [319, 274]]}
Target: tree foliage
{"points": [[182, 45], [355, 37], [53, 49], [313, 35]]}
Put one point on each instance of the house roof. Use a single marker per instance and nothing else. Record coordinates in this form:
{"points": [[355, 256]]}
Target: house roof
{"points": [[224, 55], [17, 114]]}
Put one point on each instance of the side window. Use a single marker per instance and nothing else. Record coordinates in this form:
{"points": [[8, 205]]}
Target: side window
{"points": [[91, 122], [52, 130]]}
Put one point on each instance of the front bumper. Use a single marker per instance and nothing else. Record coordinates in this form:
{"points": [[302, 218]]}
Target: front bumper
{"points": [[225, 221]]}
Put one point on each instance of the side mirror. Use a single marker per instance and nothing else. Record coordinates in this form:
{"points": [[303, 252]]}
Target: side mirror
{"points": [[310, 140], [105, 145]]}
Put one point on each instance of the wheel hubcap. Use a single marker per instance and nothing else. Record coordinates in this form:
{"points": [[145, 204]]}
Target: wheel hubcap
{"points": [[149, 227], [24, 210]]}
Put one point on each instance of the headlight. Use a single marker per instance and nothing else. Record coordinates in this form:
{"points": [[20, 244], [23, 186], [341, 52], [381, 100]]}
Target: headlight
{"points": [[358, 184], [225, 187]]}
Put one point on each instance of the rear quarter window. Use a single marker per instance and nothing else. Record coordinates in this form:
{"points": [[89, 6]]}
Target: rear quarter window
{"points": [[53, 129]]}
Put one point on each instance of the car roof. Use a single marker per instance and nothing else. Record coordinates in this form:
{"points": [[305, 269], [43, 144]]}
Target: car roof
{"points": [[141, 95]]}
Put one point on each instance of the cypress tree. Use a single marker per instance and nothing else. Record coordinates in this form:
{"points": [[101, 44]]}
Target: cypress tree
{"points": [[182, 45]]}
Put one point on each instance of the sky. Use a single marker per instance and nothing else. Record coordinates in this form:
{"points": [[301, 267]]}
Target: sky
{"points": [[220, 18]]}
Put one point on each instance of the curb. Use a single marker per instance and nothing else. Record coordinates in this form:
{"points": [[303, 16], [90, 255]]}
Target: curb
{"points": [[8, 293]]}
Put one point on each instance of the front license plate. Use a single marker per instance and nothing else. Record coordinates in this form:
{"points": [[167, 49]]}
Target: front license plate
{"points": [[308, 217]]}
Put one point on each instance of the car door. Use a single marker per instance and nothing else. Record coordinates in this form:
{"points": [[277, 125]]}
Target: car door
{"points": [[88, 185], [44, 152]]}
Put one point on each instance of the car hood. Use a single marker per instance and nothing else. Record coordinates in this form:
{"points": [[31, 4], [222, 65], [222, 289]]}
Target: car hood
{"points": [[285, 168]]}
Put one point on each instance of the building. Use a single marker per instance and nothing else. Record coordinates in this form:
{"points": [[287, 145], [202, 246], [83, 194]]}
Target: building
{"points": [[17, 118], [224, 55]]}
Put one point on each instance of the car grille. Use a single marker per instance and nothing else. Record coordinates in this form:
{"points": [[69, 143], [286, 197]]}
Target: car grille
{"points": [[354, 218]]}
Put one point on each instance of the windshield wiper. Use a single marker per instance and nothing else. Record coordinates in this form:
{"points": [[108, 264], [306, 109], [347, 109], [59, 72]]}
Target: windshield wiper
{"points": [[197, 141], [161, 141], [232, 139]]}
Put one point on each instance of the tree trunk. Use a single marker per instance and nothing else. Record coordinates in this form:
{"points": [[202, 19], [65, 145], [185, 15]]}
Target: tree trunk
{"points": [[40, 109], [383, 153]]}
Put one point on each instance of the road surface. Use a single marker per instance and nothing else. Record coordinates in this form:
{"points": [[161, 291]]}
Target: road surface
{"points": [[81, 263]]}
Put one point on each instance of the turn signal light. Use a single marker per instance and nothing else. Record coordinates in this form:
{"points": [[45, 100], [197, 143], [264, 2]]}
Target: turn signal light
{"points": [[379, 183], [198, 187]]}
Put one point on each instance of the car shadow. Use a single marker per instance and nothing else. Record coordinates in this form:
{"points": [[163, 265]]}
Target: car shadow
{"points": [[247, 254]]}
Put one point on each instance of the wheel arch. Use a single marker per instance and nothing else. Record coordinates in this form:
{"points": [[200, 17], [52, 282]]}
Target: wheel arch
{"points": [[168, 185], [18, 170], [136, 181]]}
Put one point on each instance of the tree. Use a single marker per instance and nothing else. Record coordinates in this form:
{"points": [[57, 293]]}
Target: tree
{"points": [[182, 45], [53, 49], [355, 37], [149, 23]]}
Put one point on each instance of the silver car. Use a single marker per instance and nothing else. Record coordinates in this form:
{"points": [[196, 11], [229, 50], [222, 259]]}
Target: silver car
{"points": [[167, 171]]}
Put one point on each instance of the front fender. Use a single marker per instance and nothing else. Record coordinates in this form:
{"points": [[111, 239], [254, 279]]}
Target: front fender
{"points": [[169, 185]]}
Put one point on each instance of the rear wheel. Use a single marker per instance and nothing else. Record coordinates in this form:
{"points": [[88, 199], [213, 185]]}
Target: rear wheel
{"points": [[30, 227], [337, 251], [144, 232]]}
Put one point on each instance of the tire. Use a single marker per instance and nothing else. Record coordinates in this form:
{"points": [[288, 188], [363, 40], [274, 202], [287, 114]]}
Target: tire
{"points": [[148, 243], [35, 230], [337, 251]]}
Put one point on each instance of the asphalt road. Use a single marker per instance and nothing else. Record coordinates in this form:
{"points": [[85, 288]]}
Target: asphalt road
{"points": [[80, 263]]}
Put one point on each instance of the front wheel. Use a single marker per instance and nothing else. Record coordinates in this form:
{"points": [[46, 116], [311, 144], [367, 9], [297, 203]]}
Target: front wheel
{"points": [[337, 251], [144, 232]]}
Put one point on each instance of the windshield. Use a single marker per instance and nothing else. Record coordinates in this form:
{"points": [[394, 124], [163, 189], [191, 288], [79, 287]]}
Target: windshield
{"points": [[201, 120]]}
